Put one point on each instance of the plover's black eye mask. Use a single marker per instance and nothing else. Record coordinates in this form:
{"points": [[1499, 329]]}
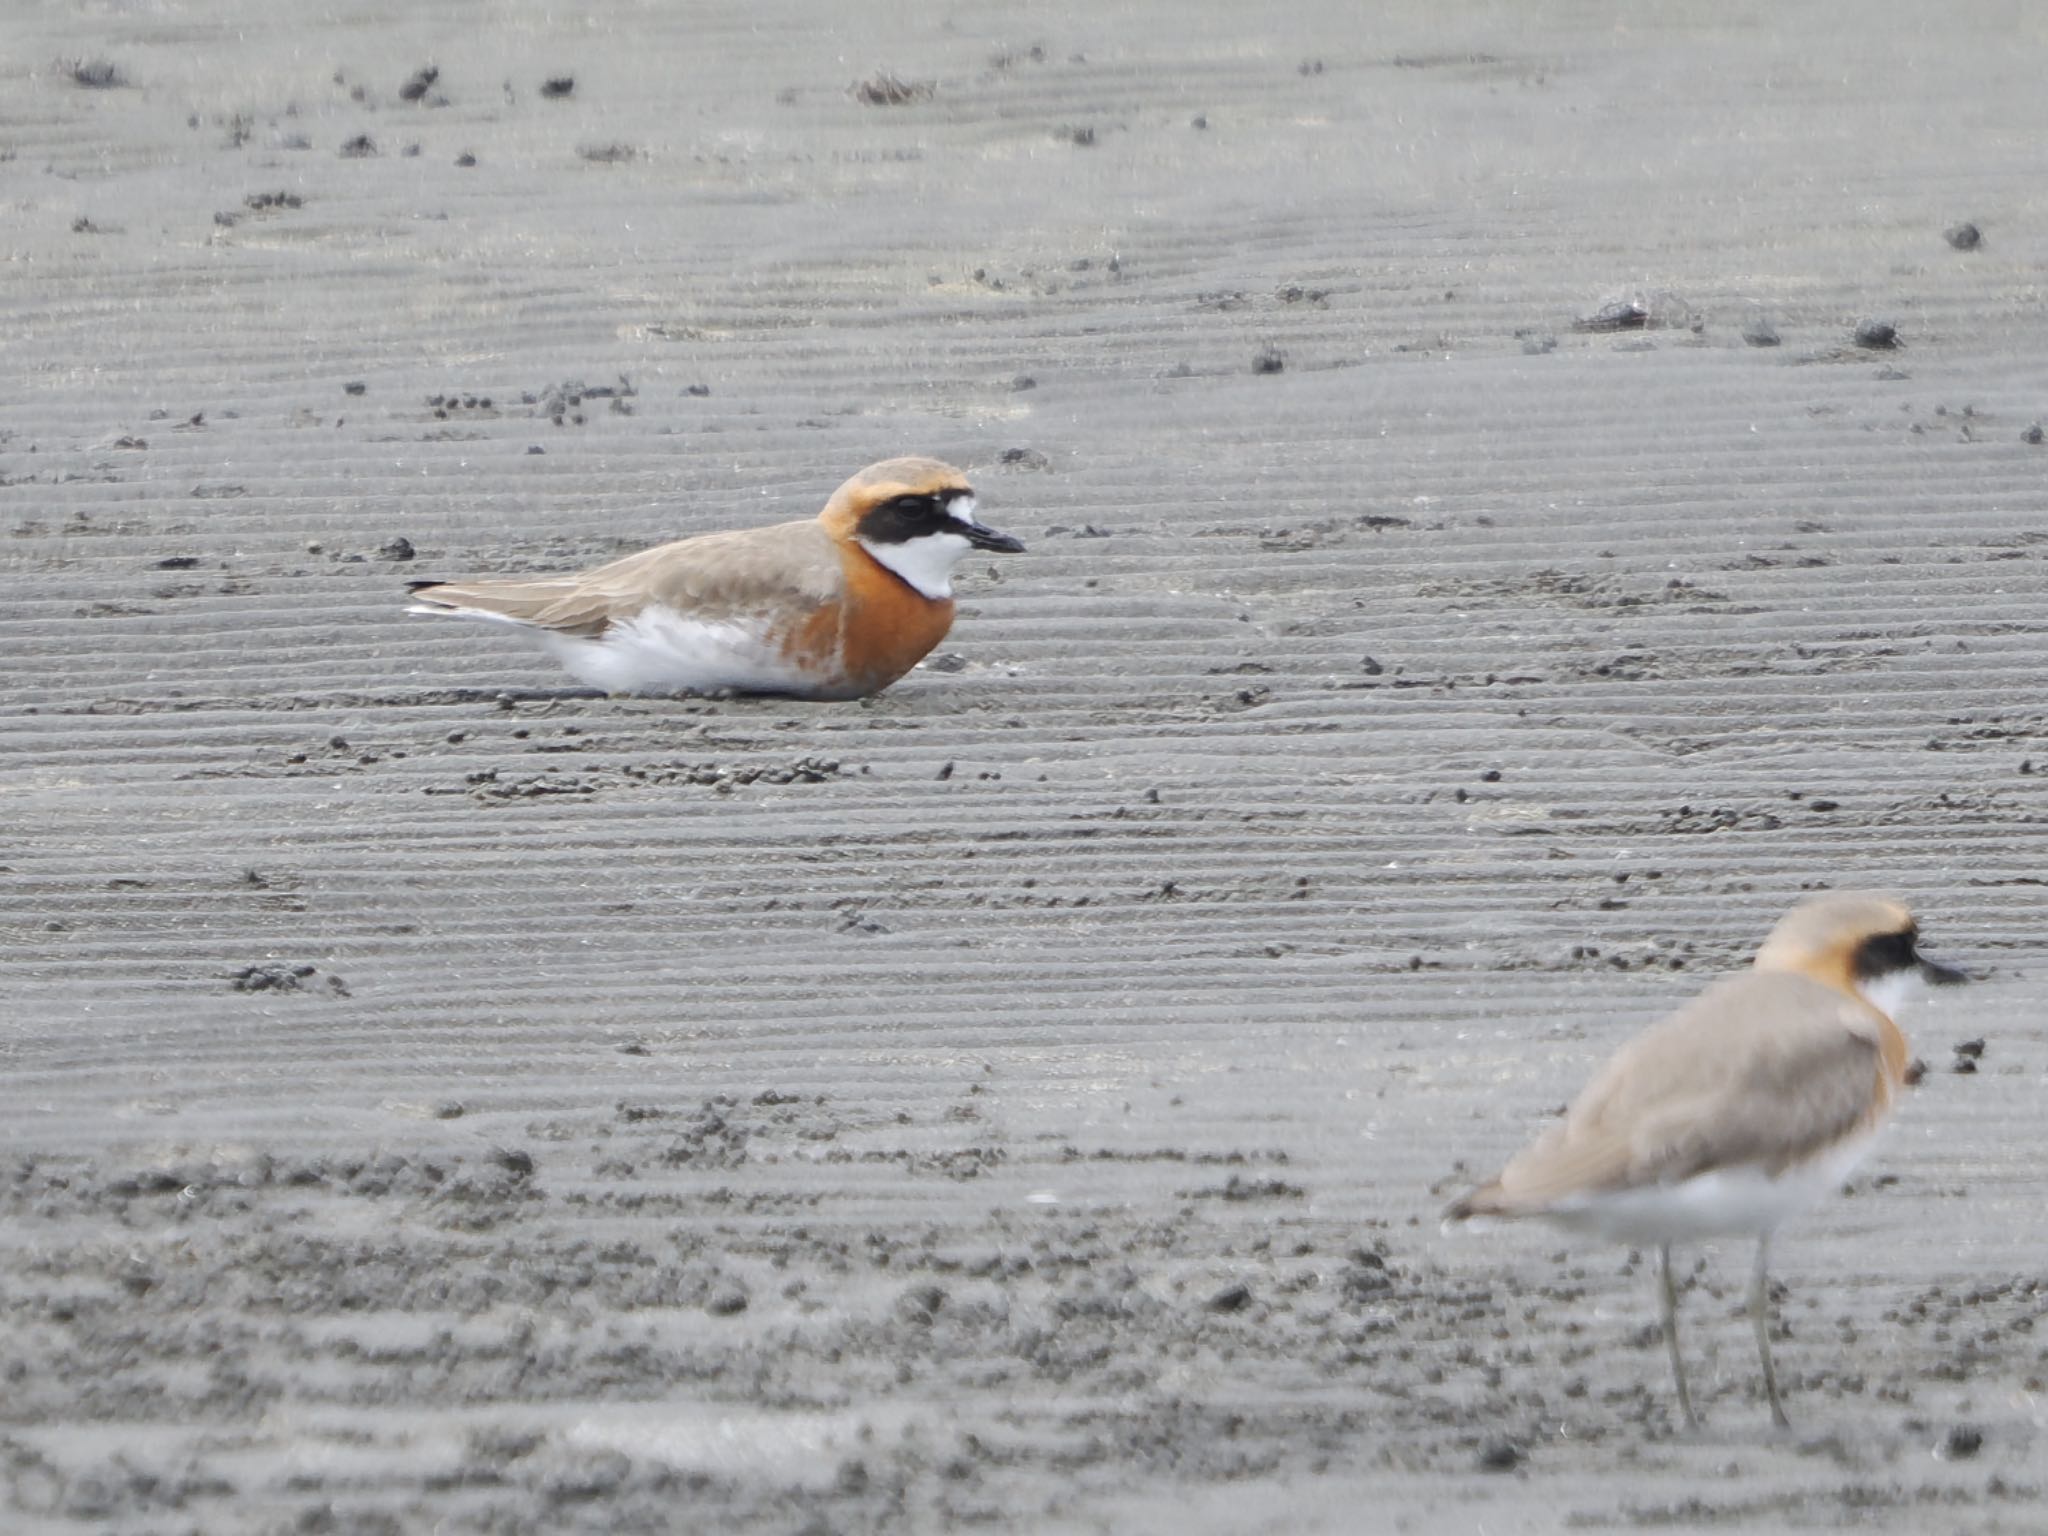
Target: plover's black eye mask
{"points": [[913, 516], [1886, 954]]}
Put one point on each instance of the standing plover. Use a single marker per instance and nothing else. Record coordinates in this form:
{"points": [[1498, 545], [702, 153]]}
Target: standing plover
{"points": [[1747, 1105]]}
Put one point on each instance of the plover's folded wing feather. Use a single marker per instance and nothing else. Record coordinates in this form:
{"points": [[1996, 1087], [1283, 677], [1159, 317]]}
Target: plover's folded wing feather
{"points": [[713, 577], [1762, 1071]]}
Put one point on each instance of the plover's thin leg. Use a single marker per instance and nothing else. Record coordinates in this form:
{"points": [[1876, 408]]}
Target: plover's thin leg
{"points": [[1760, 1319], [1670, 1293]]}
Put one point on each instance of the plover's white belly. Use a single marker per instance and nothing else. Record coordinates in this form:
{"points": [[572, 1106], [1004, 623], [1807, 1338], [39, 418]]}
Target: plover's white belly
{"points": [[1723, 1203], [658, 650]]}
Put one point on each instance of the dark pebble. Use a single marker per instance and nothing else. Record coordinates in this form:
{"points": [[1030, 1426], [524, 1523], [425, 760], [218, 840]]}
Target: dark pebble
{"points": [[2033, 434], [1627, 315], [1964, 237], [726, 1301], [1760, 333], [354, 387], [361, 147], [97, 75], [1268, 361], [1963, 1442], [515, 1162], [558, 86], [1233, 1298], [1877, 335], [1499, 1456]]}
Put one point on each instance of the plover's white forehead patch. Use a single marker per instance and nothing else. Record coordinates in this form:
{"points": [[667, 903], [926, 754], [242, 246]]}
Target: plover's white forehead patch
{"points": [[960, 504]]}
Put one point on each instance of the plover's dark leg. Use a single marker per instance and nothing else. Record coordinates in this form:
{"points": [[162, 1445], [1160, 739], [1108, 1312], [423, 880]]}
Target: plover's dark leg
{"points": [[1670, 1295], [1760, 1319]]}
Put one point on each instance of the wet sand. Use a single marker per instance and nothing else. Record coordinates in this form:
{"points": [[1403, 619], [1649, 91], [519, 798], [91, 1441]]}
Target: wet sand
{"points": [[1022, 1101]]}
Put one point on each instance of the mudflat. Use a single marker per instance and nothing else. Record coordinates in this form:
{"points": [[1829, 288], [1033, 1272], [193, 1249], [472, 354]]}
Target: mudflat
{"points": [[1515, 496]]}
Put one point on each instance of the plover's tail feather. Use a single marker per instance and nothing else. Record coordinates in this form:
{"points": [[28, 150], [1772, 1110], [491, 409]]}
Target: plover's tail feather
{"points": [[544, 604]]}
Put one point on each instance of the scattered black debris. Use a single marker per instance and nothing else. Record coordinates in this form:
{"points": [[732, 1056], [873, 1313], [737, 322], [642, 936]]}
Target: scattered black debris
{"points": [[1968, 1053], [1022, 382], [127, 441], [411, 151], [95, 74], [421, 82], [465, 160], [1199, 121], [450, 1109], [1491, 776], [1964, 1440], [563, 403], [698, 391], [1877, 335], [361, 147], [1084, 135], [555, 87], [354, 387], [266, 202], [535, 448], [2033, 434], [1029, 459], [398, 549], [1268, 360], [946, 661], [1964, 237], [1759, 332], [1232, 1298], [271, 978], [886, 90], [945, 771], [178, 563], [1915, 1070], [445, 406], [1364, 1276], [1309, 67], [607, 154], [1499, 1456]]}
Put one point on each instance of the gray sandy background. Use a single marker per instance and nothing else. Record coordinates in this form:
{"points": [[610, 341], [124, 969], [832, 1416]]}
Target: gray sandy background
{"points": [[1019, 1102]]}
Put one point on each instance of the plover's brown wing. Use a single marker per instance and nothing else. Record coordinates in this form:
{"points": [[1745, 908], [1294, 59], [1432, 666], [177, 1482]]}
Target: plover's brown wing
{"points": [[713, 576], [1761, 1070], [789, 568]]}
